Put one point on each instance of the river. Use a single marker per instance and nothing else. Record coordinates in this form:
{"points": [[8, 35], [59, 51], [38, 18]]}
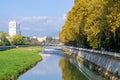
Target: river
{"points": [[56, 66]]}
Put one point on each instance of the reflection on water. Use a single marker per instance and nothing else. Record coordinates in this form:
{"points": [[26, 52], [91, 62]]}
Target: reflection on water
{"points": [[47, 69], [69, 71], [86, 71], [53, 67]]}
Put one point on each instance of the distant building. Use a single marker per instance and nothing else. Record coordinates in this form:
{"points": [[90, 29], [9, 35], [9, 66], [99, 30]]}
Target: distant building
{"points": [[37, 40], [57, 38], [14, 28], [41, 39]]}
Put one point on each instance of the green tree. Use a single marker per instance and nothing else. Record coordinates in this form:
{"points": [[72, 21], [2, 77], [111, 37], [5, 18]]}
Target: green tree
{"points": [[27, 40], [49, 39], [4, 39], [17, 40]]}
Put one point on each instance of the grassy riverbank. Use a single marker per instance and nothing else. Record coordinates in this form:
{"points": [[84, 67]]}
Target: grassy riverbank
{"points": [[14, 62]]}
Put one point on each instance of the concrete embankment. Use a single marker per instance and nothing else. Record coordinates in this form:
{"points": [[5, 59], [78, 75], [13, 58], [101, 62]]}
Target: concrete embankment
{"points": [[14, 46], [6, 47], [105, 63]]}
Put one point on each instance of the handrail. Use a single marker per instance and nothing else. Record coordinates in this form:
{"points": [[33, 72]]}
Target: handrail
{"points": [[114, 54]]}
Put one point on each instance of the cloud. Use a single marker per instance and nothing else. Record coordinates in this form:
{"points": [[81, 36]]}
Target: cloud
{"points": [[40, 25], [64, 16]]}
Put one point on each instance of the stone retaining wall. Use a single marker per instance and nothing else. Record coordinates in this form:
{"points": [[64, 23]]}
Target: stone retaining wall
{"points": [[107, 60]]}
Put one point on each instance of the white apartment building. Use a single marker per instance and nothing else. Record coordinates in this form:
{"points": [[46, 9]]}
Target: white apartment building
{"points": [[14, 28]]}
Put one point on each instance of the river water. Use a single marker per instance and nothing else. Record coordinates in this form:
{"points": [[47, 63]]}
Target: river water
{"points": [[56, 66]]}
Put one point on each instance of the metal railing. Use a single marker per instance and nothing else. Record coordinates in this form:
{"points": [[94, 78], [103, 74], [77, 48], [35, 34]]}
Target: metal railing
{"points": [[76, 49]]}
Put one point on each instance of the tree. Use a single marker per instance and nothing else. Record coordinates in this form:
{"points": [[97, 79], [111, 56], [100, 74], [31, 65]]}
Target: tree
{"points": [[94, 23], [49, 39], [26, 40], [17, 40], [4, 39]]}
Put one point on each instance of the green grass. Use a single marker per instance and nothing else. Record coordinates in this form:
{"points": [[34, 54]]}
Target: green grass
{"points": [[14, 62]]}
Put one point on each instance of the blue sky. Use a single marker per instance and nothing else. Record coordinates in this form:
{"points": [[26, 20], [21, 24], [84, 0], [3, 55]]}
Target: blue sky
{"points": [[37, 17]]}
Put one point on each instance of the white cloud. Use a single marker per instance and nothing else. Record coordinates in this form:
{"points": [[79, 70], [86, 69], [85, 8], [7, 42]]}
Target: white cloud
{"points": [[31, 19], [36, 25], [65, 16], [45, 25]]}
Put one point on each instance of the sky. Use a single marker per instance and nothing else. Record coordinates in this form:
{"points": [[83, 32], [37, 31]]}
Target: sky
{"points": [[36, 17]]}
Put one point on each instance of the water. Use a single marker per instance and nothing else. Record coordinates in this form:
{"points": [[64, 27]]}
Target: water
{"points": [[54, 66]]}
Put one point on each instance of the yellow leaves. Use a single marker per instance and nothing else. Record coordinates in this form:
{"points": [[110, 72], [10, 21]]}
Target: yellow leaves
{"points": [[92, 19], [114, 21], [118, 20]]}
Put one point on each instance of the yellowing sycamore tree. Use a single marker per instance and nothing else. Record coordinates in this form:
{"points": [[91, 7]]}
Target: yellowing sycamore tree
{"points": [[93, 23]]}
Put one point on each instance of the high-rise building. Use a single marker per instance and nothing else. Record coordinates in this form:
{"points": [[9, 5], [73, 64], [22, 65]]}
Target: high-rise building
{"points": [[14, 28]]}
